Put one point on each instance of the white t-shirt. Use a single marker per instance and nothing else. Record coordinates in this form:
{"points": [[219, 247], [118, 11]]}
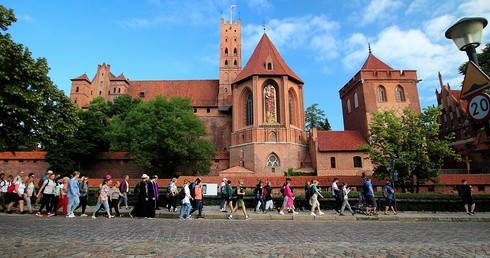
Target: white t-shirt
{"points": [[49, 186], [5, 186], [187, 194], [30, 189], [22, 187], [334, 187], [173, 188]]}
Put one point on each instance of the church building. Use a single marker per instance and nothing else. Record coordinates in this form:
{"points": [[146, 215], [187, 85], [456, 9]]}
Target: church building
{"points": [[255, 116]]}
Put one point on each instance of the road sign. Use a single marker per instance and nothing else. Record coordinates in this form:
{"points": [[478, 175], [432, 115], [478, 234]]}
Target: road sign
{"points": [[475, 80], [479, 107]]}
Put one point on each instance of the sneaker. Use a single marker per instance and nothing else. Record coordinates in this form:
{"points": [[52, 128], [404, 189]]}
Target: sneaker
{"points": [[247, 218], [50, 214], [84, 215], [281, 212], [39, 214], [320, 213], [230, 217], [71, 215], [295, 213], [313, 214]]}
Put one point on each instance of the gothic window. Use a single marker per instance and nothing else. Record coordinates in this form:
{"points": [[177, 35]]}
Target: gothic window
{"points": [[77, 90], [400, 94], [348, 106], [381, 94], [234, 52], [356, 100], [268, 66], [270, 104], [235, 64], [293, 107], [226, 63], [114, 90], [290, 102], [119, 90], [272, 136], [249, 109], [332, 162], [226, 51], [357, 162], [272, 160]]}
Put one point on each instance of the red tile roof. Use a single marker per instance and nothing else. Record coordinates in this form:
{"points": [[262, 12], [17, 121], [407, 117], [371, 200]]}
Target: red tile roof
{"points": [[256, 65], [202, 93], [373, 63], [340, 140], [38, 155], [120, 77], [81, 78]]}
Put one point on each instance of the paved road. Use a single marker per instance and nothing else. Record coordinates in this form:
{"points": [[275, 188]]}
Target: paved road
{"points": [[30, 236]]}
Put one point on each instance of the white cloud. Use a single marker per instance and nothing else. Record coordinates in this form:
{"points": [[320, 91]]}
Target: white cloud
{"points": [[259, 4], [317, 33], [380, 9], [436, 27], [417, 5], [475, 8], [26, 18]]}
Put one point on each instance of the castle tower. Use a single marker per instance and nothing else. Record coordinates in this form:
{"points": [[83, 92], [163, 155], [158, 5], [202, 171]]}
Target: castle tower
{"points": [[101, 81], [230, 60], [81, 93], [376, 88], [268, 134]]}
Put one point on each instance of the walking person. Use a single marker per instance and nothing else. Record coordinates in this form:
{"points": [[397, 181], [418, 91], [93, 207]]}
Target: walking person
{"points": [[40, 183], [17, 196], [465, 191], [83, 186], [222, 192], [198, 198], [29, 192], [173, 195], [103, 199], [47, 189], [314, 193], [5, 183], [141, 207], [186, 201], [337, 195], [151, 198], [228, 196], [73, 194], [389, 194], [344, 191], [240, 203], [269, 203], [258, 198], [114, 198], [306, 188], [62, 196], [124, 189], [288, 203], [368, 193]]}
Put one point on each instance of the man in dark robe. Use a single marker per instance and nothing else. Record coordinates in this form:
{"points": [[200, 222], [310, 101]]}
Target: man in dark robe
{"points": [[150, 205], [141, 207]]}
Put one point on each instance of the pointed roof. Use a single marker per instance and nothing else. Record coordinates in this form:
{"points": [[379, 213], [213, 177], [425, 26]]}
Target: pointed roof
{"points": [[81, 78], [373, 63], [266, 52], [120, 77]]}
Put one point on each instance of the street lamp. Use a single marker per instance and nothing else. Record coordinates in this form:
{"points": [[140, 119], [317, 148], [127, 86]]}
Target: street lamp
{"points": [[466, 34]]}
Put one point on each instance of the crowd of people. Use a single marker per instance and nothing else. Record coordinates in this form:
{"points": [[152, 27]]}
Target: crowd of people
{"points": [[53, 192]]}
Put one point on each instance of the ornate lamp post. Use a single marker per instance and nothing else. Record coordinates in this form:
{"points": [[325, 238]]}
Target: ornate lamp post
{"points": [[466, 34]]}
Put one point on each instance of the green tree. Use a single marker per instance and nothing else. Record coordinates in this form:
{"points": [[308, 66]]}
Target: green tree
{"points": [[315, 118], [33, 111], [164, 137], [81, 150], [483, 61], [412, 141]]}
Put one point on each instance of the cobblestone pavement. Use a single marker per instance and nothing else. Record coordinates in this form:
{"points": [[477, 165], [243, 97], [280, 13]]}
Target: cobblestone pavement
{"points": [[30, 236]]}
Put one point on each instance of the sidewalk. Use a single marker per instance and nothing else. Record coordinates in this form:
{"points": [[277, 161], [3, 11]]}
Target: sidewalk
{"points": [[212, 212]]}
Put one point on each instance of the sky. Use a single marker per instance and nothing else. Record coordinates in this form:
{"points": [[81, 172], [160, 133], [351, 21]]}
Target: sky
{"points": [[325, 42]]}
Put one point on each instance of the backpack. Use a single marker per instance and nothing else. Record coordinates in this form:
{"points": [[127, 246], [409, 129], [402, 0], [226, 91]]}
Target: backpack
{"points": [[42, 180], [385, 192], [11, 188], [192, 189], [182, 193], [460, 191], [282, 189], [365, 189]]}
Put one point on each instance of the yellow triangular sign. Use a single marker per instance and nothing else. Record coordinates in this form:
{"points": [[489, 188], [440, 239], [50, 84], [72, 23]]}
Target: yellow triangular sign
{"points": [[475, 80]]}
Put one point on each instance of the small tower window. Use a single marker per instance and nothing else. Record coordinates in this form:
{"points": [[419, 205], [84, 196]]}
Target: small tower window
{"points": [[226, 63], [272, 136], [400, 94], [348, 106], [76, 101], [119, 90], [235, 63], [332, 162], [226, 51], [381, 94], [234, 52], [208, 110], [357, 162], [114, 90], [142, 94], [269, 66], [356, 100], [100, 92], [77, 89]]}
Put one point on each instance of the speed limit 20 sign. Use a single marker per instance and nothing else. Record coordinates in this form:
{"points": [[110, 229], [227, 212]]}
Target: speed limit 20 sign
{"points": [[479, 107]]}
